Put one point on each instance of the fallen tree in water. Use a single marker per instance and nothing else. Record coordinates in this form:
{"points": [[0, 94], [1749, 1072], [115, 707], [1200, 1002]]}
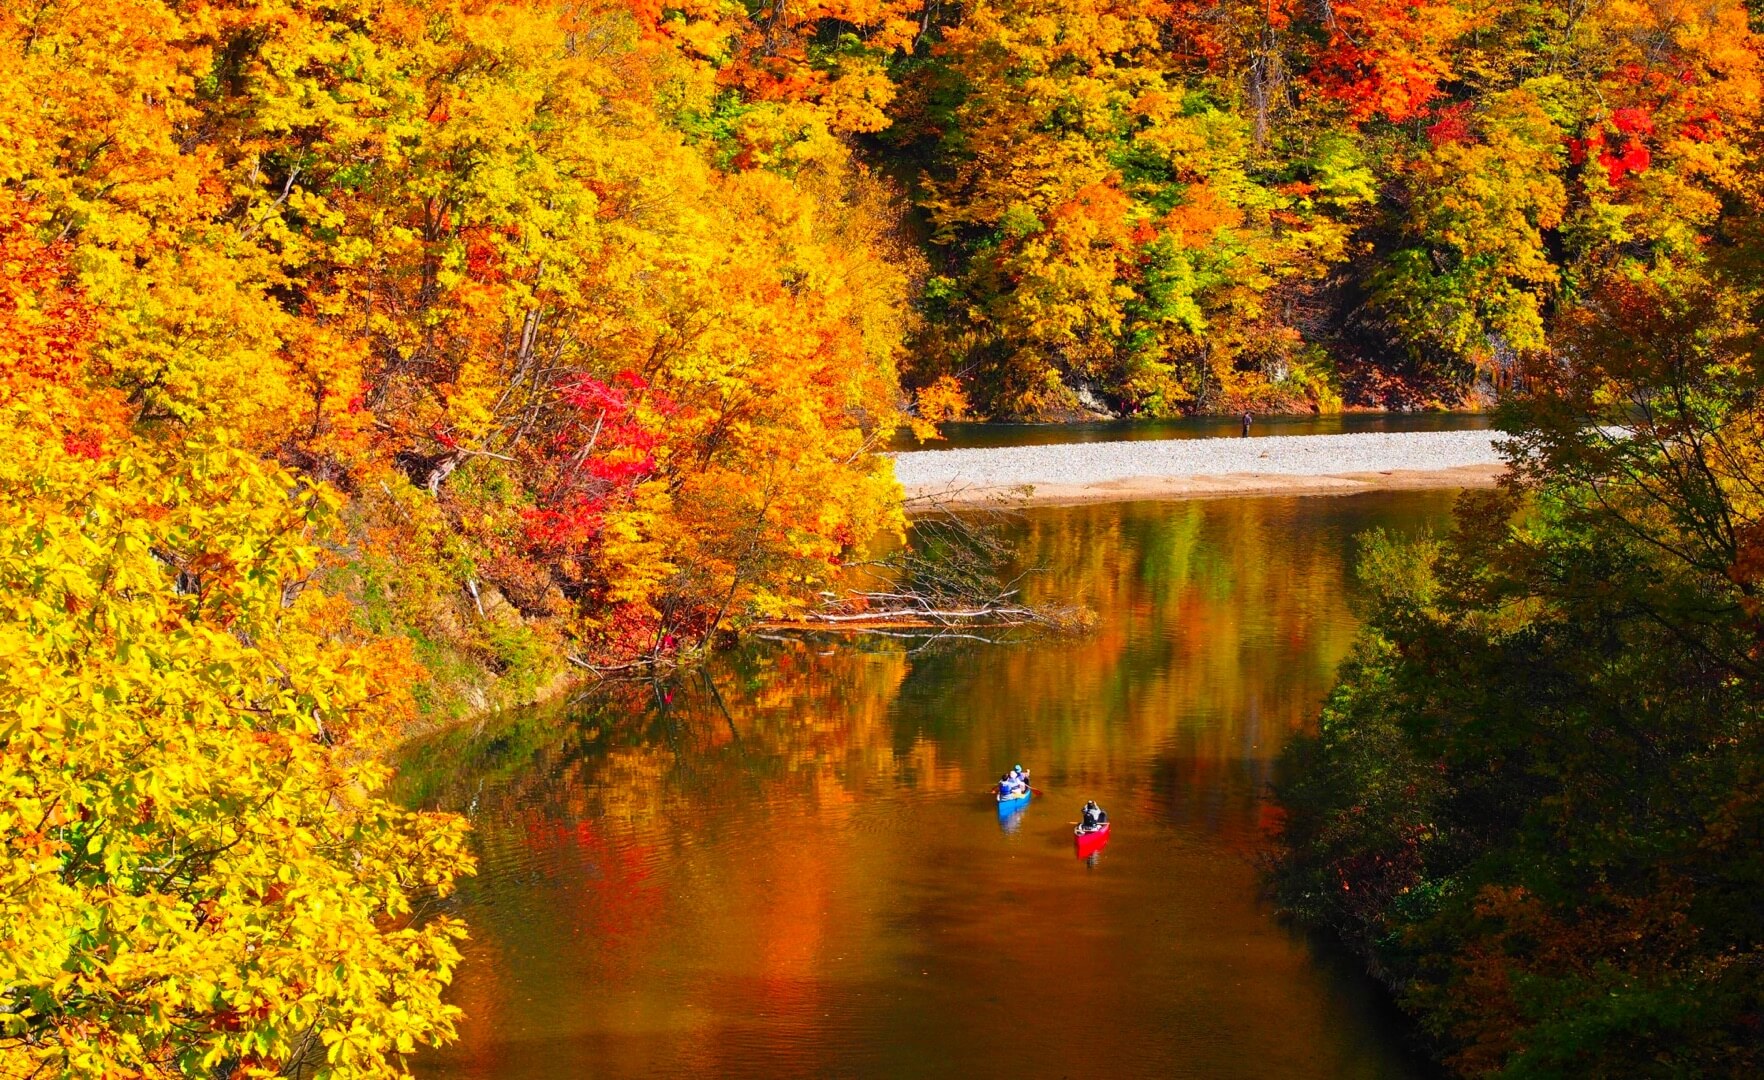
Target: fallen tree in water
{"points": [[949, 577], [958, 577]]}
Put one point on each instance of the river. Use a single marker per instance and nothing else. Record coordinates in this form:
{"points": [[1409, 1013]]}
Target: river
{"points": [[785, 865], [961, 435]]}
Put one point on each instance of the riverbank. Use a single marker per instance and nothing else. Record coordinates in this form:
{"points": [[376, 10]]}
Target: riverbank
{"points": [[510, 662], [1197, 468]]}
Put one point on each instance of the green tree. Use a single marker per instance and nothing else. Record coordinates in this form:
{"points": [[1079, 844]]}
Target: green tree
{"points": [[1536, 800]]}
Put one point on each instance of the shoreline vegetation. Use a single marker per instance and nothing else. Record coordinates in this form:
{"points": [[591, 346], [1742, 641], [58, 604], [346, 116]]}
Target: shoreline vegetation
{"points": [[1533, 801]]}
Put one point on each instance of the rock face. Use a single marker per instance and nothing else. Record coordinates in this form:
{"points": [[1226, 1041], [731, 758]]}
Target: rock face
{"points": [[1092, 401]]}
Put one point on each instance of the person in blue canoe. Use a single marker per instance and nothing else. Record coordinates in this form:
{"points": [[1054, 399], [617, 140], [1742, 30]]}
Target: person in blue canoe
{"points": [[1020, 775], [1010, 786], [1095, 817]]}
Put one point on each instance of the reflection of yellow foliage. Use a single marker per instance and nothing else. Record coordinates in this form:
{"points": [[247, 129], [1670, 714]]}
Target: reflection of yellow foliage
{"points": [[745, 824], [633, 783]]}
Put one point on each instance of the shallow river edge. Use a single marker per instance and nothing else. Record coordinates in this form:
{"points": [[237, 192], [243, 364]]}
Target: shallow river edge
{"points": [[1198, 468], [1202, 486]]}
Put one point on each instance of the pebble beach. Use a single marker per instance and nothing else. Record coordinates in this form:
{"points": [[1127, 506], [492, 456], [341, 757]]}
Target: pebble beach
{"points": [[1186, 468]]}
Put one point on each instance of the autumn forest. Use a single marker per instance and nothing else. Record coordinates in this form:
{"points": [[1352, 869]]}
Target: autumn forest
{"points": [[369, 366]]}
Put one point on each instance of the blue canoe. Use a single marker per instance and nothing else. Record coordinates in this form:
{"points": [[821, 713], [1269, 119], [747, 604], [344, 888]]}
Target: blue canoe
{"points": [[1014, 802]]}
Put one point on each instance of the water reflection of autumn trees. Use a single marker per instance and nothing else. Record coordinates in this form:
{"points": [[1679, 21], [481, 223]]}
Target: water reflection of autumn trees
{"points": [[698, 852], [795, 716], [1221, 625], [613, 818]]}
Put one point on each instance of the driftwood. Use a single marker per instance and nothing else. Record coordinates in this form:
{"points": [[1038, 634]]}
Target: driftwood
{"points": [[950, 578], [652, 663], [869, 611], [949, 584]]}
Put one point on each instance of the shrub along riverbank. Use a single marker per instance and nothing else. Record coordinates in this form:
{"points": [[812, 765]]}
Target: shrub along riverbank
{"points": [[1536, 801]]}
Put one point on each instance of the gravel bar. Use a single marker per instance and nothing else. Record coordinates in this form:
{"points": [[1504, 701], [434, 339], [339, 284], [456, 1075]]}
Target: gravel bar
{"points": [[1098, 471]]}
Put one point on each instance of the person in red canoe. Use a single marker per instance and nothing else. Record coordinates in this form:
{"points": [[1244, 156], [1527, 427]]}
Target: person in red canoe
{"points": [[1094, 817]]}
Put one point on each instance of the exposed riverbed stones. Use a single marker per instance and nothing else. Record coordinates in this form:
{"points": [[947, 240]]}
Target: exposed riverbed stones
{"points": [[1107, 471]]}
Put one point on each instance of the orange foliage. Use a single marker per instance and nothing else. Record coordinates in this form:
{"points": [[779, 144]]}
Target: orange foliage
{"points": [[391, 248]]}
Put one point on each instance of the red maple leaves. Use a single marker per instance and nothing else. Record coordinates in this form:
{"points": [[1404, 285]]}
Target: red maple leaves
{"points": [[599, 457], [1617, 144]]}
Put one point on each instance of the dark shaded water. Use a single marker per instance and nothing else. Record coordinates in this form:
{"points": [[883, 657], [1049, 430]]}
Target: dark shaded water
{"points": [[785, 866], [962, 435]]}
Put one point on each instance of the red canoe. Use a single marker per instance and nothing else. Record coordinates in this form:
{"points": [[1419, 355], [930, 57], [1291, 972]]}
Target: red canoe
{"points": [[1089, 843]]}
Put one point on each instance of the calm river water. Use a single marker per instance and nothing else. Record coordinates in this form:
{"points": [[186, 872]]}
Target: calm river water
{"points": [[964, 434], [785, 866]]}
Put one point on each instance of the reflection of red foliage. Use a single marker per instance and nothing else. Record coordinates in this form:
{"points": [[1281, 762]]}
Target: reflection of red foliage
{"points": [[622, 896], [1270, 818]]}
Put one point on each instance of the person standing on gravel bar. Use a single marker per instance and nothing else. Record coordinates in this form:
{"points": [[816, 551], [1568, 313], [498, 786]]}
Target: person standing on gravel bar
{"points": [[1247, 417]]}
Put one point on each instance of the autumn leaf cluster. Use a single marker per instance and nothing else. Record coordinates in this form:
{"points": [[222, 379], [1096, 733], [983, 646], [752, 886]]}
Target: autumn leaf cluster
{"points": [[199, 875], [1178, 206]]}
